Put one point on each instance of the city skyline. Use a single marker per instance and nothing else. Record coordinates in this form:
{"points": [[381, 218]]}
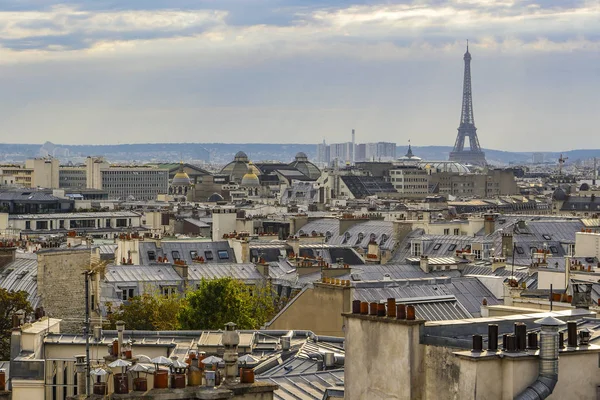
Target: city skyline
{"points": [[299, 72]]}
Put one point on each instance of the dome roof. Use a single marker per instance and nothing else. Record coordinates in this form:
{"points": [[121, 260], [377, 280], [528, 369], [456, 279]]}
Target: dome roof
{"points": [[250, 179], [240, 156], [301, 156], [215, 197], [302, 164], [181, 178], [445, 166], [560, 195]]}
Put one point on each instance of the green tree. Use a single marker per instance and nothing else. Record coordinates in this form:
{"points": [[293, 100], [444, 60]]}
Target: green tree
{"points": [[150, 311], [10, 303], [223, 300]]}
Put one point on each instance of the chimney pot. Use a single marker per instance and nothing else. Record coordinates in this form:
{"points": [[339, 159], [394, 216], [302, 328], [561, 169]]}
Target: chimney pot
{"points": [[400, 311], [356, 307], [477, 344], [492, 337], [373, 309], [532, 341], [391, 307], [572, 333], [410, 313], [364, 308], [381, 310]]}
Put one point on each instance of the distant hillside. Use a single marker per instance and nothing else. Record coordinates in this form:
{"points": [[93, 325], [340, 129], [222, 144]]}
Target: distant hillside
{"points": [[221, 153]]}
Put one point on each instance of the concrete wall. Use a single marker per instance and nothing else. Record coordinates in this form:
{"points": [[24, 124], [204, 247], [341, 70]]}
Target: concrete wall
{"points": [[587, 244], [384, 359], [223, 222], [61, 285], [548, 277], [318, 309]]}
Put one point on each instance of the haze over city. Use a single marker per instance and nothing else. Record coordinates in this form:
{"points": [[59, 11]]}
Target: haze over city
{"points": [[299, 71]]}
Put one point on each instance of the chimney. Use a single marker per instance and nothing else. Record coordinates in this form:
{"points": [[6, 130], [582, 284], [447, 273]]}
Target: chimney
{"points": [[507, 245], [7, 255], [231, 339], [489, 223], [120, 329], [424, 264], [80, 365]]}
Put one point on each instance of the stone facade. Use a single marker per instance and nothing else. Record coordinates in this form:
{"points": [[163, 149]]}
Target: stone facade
{"points": [[61, 285]]}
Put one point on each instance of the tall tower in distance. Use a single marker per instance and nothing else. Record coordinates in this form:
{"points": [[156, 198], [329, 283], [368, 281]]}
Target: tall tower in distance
{"points": [[472, 155], [353, 147]]}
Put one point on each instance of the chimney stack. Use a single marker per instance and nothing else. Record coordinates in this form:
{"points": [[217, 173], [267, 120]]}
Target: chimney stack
{"points": [[120, 329]]}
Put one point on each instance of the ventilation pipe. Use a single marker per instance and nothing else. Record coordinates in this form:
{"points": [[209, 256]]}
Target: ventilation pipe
{"points": [[543, 386]]}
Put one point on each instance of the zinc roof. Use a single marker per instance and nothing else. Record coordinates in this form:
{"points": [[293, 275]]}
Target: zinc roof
{"points": [[21, 274]]}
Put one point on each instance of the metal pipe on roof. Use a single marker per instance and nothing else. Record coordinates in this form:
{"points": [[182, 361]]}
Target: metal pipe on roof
{"points": [[544, 385]]}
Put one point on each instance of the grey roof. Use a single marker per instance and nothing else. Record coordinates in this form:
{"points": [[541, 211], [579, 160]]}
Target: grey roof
{"points": [[185, 249], [106, 249], [141, 273], [29, 195], [362, 186], [197, 222], [358, 235], [21, 274], [310, 386], [101, 214], [469, 291], [243, 272], [395, 271]]}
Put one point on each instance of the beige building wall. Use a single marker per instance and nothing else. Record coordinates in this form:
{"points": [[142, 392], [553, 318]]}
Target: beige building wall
{"points": [[318, 309], [224, 221], [94, 166], [45, 172], [384, 359], [587, 244], [22, 177]]}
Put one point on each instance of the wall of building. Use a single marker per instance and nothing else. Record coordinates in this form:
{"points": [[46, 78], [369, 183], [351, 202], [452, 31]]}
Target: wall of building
{"points": [[318, 309], [61, 285], [384, 359], [224, 221], [587, 244], [45, 172], [547, 277]]}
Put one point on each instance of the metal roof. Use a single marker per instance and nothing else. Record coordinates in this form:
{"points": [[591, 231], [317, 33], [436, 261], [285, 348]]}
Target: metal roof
{"points": [[102, 214], [358, 235], [244, 272], [306, 386], [206, 249], [21, 274], [468, 291], [141, 273]]}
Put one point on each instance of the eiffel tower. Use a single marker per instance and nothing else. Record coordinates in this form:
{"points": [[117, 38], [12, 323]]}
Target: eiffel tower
{"points": [[472, 155]]}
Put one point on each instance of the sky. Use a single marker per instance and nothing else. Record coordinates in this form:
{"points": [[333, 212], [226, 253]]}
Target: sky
{"points": [[299, 71]]}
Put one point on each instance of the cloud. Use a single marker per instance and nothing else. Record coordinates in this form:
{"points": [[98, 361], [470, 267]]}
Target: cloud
{"points": [[297, 70]]}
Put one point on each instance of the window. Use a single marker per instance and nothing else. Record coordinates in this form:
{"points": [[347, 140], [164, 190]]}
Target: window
{"points": [[346, 237], [121, 222], [452, 247], [437, 246], [168, 291], [553, 249], [223, 254], [383, 239], [127, 293], [520, 250], [360, 238], [61, 224], [151, 256], [416, 250], [547, 237], [208, 255], [477, 254], [194, 254], [447, 231], [175, 255], [27, 224], [456, 231]]}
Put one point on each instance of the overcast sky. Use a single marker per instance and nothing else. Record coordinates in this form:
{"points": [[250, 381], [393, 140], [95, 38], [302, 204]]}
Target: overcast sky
{"points": [[299, 71]]}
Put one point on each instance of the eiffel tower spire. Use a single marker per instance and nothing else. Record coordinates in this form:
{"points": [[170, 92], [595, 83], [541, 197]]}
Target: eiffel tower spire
{"points": [[467, 129]]}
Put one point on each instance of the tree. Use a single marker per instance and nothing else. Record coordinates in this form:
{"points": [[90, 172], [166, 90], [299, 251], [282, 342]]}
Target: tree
{"points": [[223, 300], [10, 303], [151, 311]]}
